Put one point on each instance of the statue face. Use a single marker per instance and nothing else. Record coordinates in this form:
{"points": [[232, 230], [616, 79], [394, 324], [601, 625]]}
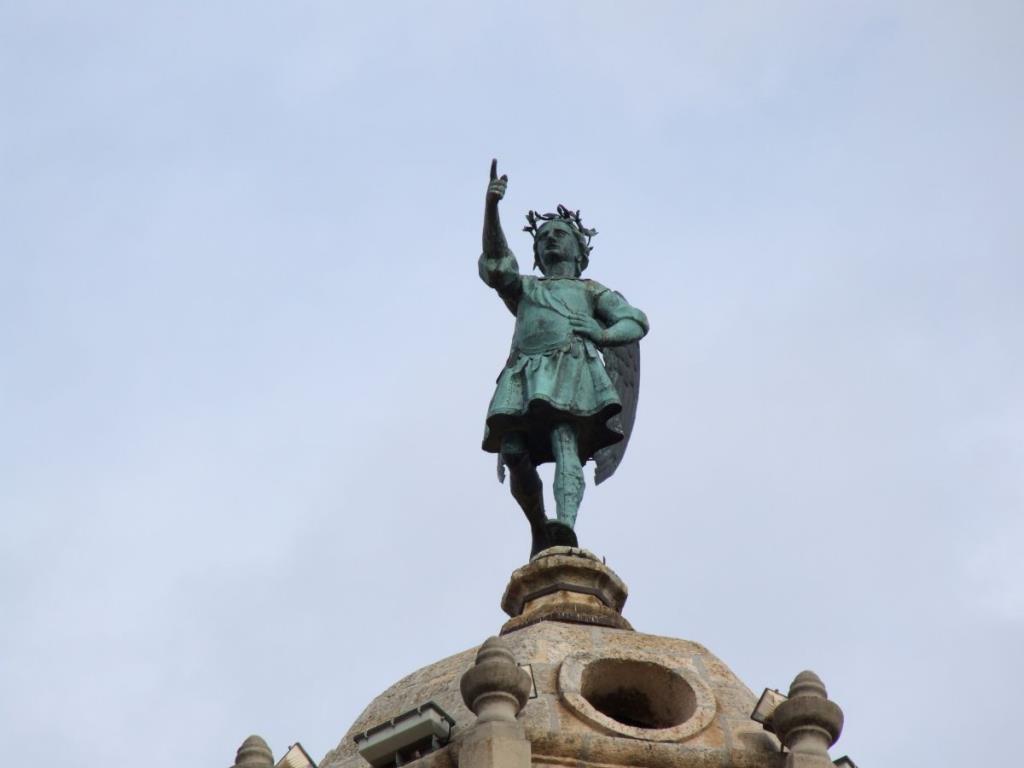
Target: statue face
{"points": [[555, 244]]}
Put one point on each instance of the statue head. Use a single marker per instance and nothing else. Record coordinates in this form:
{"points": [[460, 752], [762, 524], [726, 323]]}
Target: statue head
{"points": [[557, 242], [559, 238]]}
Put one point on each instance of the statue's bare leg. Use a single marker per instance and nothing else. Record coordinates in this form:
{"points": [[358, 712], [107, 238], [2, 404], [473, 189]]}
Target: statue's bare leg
{"points": [[526, 485], [569, 483]]}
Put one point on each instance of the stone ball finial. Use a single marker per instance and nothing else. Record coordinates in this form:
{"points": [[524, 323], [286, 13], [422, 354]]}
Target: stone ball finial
{"points": [[807, 722], [495, 687], [254, 753]]}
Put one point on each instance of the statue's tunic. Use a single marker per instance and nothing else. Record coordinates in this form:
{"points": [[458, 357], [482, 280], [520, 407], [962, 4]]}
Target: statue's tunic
{"points": [[553, 375]]}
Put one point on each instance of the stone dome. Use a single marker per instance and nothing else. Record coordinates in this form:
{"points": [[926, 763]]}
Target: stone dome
{"points": [[604, 695]]}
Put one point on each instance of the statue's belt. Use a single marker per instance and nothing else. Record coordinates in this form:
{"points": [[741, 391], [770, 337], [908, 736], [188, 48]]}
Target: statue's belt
{"points": [[576, 346]]}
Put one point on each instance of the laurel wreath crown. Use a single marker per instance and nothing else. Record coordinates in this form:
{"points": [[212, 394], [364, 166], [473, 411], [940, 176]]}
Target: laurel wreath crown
{"points": [[536, 220]]}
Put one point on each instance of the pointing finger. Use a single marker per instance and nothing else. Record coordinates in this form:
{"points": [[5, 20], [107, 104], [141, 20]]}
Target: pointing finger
{"points": [[494, 169]]}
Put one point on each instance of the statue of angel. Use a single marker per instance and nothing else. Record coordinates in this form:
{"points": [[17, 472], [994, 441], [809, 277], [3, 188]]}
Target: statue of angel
{"points": [[568, 391]]}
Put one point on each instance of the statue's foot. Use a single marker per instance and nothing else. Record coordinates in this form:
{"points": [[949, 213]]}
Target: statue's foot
{"points": [[539, 540], [551, 534], [560, 535]]}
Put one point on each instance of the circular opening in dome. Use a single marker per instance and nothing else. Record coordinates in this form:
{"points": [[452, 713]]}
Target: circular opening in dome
{"points": [[640, 694]]}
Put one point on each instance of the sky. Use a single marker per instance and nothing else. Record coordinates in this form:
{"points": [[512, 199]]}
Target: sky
{"points": [[245, 355]]}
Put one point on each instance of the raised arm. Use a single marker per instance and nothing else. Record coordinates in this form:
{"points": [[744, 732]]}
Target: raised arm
{"points": [[495, 245], [498, 266]]}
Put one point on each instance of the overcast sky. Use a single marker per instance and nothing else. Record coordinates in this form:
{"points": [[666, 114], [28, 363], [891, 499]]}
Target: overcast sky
{"points": [[245, 356]]}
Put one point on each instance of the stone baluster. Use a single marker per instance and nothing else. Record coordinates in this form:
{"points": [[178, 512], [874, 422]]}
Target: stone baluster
{"points": [[495, 688], [808, 723]]}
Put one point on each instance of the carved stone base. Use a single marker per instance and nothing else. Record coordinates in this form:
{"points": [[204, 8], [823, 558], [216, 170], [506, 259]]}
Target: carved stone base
{"points": [[565, 584]]}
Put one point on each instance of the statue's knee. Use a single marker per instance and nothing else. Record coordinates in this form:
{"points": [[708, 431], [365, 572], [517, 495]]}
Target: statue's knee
{"points": [[522, 474]]}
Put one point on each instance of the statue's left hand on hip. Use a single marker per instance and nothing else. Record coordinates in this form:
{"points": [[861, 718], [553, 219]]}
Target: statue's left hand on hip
{"points": [[588, 328]]}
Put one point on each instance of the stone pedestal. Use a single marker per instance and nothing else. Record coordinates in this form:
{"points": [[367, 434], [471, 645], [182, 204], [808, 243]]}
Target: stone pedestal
{"points": [[495, 745], [565, 584]]}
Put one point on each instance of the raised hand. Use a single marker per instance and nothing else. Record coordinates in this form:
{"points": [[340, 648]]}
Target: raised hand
{"points": [[496, 189]]}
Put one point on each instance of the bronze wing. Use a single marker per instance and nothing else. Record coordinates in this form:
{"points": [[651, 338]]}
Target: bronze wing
{"points": [[623, 366]]}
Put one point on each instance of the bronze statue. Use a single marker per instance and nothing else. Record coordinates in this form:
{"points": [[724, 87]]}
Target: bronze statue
{"points": [[568, 392]]}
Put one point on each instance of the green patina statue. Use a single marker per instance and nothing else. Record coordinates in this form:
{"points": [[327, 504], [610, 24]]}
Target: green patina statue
{"points": [[568, 392]]}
